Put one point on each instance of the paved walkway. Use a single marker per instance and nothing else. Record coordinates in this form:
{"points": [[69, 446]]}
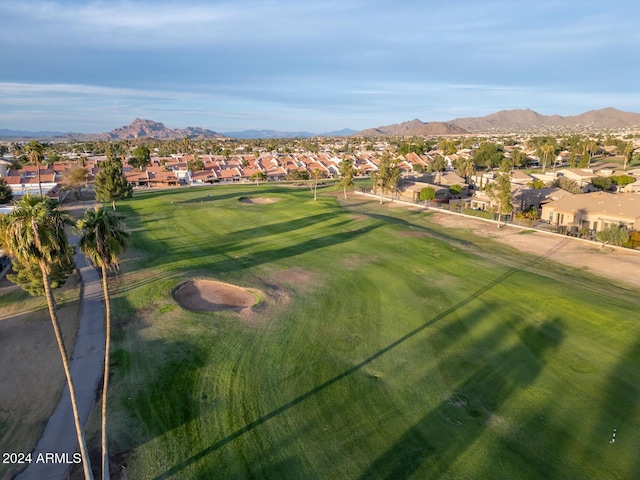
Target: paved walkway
{"points": [[59, 436]]}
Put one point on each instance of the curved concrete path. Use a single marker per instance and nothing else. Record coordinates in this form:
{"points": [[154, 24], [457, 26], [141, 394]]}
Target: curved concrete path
{"points": [[59, 436]]}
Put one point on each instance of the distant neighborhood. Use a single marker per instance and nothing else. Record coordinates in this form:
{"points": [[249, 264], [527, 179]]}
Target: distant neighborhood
{"points": [[574, 184]]}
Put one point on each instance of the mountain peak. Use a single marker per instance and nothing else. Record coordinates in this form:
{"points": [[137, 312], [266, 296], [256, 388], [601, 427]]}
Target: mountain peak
{"points": [[143, 128]]}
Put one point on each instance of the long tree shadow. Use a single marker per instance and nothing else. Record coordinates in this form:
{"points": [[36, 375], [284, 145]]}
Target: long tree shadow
{"points": [[274, 254], [621, 409], [209, 194], [265, 418], [203, 247], [237, 237], [424, 449]]}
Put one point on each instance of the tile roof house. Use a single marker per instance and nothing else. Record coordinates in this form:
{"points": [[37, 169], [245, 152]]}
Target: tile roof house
{"points": [[204, 176], [163, 179], [137, 179]]}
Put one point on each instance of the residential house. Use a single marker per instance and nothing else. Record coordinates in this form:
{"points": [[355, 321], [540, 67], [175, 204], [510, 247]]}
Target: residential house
{"points": [[582, 176], [520, 178], [525, 197], [417, 162], [25, 181], [229, 174], [203, 176], [5, 165], [410, 191], [137, 179], [448, 179], [594, 211]]}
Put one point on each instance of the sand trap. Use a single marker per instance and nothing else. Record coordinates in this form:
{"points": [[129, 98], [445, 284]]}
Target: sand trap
{"points": [[258, 200], [212, 296]]}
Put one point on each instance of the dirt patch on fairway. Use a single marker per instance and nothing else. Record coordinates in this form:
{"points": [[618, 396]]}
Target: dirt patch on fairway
{"points": [[31, 376], [257, 200], [294, 276], [212, 296]]}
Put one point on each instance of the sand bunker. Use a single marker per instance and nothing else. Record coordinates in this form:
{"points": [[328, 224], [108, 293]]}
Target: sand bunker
{"points": [[212, 296], [258, 200]]}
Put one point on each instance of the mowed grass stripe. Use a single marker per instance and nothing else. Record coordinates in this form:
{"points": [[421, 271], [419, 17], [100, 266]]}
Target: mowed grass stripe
{"points": [[405, 354]]}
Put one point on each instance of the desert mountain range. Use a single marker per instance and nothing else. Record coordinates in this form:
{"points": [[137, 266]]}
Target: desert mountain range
{"points": [[526, 119], [499, 122], [509, 121]]}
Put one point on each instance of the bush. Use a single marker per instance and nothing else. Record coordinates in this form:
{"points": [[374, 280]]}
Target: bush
{"points": [[602, 183], [427, 193], [455, 189], [537, 184], [298, 175], [622, 180], [614, 235], [566, 184], [634, 240]]}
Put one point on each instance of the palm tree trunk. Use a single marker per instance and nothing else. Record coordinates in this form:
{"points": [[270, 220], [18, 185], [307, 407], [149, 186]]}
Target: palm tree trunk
{"points": [[345, 193], [38, 172], [105, 382], [86, 464]]}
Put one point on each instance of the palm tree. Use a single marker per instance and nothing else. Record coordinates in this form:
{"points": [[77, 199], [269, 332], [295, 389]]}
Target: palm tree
{"points": [[438, 165], [103, 239], [466, 168], [547, 151], [34, 233], [628, 155], [36, 154], [591, 149]]}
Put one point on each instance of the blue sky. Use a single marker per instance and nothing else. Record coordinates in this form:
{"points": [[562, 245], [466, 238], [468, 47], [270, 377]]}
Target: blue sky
{"points": [[318, 66]]}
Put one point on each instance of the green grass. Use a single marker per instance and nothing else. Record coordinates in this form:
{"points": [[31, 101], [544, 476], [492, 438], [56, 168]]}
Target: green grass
{"points": [[411, 350]]}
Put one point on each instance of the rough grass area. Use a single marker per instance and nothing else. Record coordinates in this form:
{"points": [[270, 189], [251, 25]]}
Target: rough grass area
{"points": [[31, 373], [434, 354]]}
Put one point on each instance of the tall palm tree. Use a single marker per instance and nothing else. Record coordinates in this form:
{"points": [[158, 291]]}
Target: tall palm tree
{"points": [[466, 168], [34, 233], [547, 152], [36, 154], [628, 154], [103, 239]]}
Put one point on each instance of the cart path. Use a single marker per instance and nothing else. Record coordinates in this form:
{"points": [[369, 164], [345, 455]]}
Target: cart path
{"points": [[59, 436]]}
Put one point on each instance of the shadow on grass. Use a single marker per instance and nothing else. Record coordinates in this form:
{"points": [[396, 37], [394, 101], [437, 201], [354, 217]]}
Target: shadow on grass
{"points": [[524, 378], [463, 412], [204, 248], [123, 285], [621, 391], [275, 254], [167, 401], [154, 407], [214, 196]]}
